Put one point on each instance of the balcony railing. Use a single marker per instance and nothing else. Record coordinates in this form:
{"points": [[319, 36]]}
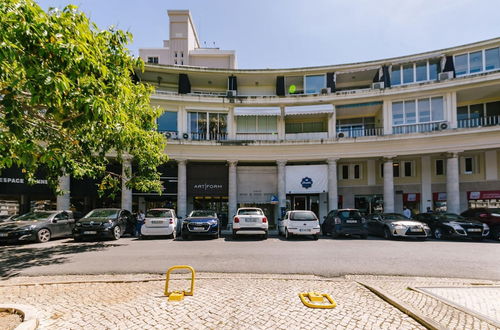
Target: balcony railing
{"points": [[353, 132], [257, 136], [204, 136], [419, 128], [477, 122], [306, 136]]}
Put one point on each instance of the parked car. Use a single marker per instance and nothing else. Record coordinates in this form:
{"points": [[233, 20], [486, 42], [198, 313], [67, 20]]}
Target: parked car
{"points": [[201, 223], [250, 221], [344, 222], [38, 226], [391, 225], [104, 223], [159, 222], [7, 217], [451, 225], [489, 216], [299, 223]]}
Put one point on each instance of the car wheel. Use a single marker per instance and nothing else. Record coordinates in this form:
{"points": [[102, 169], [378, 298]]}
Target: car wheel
{"points": [[315, 237], [287, 234], [43, 235], [116, 233], [387, 233], [438, 233]]}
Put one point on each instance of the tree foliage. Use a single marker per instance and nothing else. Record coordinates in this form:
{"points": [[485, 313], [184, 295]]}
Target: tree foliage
{"points": [[67, 100]]}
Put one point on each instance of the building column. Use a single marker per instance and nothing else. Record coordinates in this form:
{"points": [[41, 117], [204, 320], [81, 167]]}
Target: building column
{"points": [[332, 124], [387, 117], [63, 201], [231, 124], [450, 109], [491, 162], [281, 124], [126, 192], [232, 189], [426, 188], [452, 184], [182, 121], [181, 188], [333, 194], [388, 186], [281, 185]]}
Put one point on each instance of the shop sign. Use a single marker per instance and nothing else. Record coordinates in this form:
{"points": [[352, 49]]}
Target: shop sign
{"points": [[439, 196], [495, 194], [309, 179], [207, 188], [21, 181], [411, 197]]}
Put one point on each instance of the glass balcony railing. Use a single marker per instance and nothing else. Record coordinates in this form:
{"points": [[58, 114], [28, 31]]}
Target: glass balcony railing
{"points": [[478, 122]]}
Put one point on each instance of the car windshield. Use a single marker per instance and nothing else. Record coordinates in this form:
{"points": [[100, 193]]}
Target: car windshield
{"points": [[449, 217], [349, 214], [198, 214], [305, 216], [109, 214], [34, 216], [159, 214], [250, 212], [393, 217]]}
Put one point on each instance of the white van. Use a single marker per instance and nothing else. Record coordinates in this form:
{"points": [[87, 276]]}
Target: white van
{"points": [[159, 222], [299, 223]]}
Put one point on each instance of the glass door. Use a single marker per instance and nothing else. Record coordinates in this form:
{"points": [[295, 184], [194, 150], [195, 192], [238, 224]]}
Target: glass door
{"points": [[299, 203]]}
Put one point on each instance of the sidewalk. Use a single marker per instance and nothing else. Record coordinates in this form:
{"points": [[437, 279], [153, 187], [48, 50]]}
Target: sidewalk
{"points": [[241, 301]]}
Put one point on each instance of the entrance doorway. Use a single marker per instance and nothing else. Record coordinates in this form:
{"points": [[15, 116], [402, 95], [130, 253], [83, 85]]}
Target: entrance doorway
{"points": [[218, 204], [304, 202], [369, 203]]}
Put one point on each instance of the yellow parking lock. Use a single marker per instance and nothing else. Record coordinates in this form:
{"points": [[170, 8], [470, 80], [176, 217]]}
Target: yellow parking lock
{"points": [[179, 295], [317, 300]]}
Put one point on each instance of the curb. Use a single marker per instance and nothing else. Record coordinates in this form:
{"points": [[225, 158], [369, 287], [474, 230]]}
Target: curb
{"points": [[403, 307], [28, 314]]}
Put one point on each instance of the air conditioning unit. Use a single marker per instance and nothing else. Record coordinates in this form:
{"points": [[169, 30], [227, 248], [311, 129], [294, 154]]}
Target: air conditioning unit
{"points": [[185, 136], [231, 93], [327, 90], [445, 75], [340, 135], [443, 126], [378, 85]]}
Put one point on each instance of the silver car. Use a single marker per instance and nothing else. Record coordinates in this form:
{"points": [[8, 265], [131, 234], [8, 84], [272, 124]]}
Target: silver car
{"points": [[37, 226]]}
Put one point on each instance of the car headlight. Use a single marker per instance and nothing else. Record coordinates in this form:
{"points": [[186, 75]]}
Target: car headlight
{"points": [[30, 227], [212, 222], [108, 224], [398, 226], [185, 222], [485, 227]]}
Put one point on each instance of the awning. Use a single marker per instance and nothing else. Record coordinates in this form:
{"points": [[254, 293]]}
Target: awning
{"points": [[493, 194], [309, 109], [257, 111]]}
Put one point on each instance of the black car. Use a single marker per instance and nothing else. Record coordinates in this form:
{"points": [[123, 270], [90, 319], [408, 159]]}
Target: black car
{"points": [[344, 222], [37, 226], [489, 216], [104, 223], [451, 225], [392, 225], [200, 223]]}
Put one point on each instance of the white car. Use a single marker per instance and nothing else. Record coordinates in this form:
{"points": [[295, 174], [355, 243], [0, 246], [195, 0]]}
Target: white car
{"points": [[299, 223], [159, 222], [250, 221]]}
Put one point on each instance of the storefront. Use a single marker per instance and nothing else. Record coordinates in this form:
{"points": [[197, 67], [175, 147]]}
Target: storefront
{"points": [[207, 189], [489, 199], [307, 188], [168, 197], [258, 187], [439, 201], [412, 201], [367, 204]]}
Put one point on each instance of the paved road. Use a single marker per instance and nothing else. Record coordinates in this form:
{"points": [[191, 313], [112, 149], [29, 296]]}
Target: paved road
{"points": [[326, 257]]}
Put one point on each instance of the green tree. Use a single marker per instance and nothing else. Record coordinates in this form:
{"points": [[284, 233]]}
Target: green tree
{"points": [[68, 102]]}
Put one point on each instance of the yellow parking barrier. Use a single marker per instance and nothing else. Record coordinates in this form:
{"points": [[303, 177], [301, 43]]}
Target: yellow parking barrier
{"points": [[179, 295], [317, 300]]}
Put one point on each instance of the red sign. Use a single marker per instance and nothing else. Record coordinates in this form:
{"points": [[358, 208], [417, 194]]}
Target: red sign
{"points": [[439, 196], [411, 197], [493, 194]]}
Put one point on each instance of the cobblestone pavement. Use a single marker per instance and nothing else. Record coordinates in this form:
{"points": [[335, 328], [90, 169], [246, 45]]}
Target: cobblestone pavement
{"points": [[221, 301], [436, 309]]}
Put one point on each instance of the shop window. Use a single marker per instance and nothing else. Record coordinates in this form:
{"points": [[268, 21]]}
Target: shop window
{"points": [[439, 167]]}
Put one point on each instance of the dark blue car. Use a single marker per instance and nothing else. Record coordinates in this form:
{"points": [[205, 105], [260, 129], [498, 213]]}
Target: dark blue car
{"points": [[200, 223]]}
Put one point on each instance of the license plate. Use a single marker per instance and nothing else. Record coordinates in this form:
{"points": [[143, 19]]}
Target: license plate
{"points": [[305, 230], [89, 232], [474, 229], [198, 229], [4, 234], [250, 220], [156, 222], [416, 230], [351, 221]]}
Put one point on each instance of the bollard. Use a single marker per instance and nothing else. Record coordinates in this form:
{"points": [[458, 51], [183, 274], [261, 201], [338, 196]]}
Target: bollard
{"points": [[317, 300], [179, 295]]}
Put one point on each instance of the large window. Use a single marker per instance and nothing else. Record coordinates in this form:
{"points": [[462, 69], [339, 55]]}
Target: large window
{"points": [[314, 84], [294, 85], [307, 127], [400, 169], [208, 126], [479, 61], [414, 72], [256, 124], [423, 110], [305, 84], [481, 114], [350, 172], [167, 122]]}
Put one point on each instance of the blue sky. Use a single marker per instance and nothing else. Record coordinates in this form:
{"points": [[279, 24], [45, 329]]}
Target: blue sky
{"points": [[290, 33]]}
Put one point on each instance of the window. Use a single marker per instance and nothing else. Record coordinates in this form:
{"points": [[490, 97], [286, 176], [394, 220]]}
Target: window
{"points": [[175, 54], [395, 169], [414, 72], [351, 171], [400, 169], [410, 112], [167, 122], [398, 117], [408, 168], [207, 126], [357, 171], [492, 58], [256, 124], [396, 75], [182, 54], [437, 109], [345, 172], [182, 62], [439, 166], [408, 74], [479, 61], [482, 114], [461, 66], [421, 71], [468, 165], [153, 59], [314, 84], [493, 109], [423, 110], [294, 85], [307, 127], [476, 62], [434, 69], [175, 62]]}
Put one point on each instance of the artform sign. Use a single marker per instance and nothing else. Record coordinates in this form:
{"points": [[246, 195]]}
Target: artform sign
{"points": [[207, 188], [308, 179]]}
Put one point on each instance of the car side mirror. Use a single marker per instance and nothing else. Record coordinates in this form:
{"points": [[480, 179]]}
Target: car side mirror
{"points": [[54, 220]]}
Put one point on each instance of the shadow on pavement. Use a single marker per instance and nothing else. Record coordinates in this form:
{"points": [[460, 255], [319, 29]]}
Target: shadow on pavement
{"points": [[13, 259]]}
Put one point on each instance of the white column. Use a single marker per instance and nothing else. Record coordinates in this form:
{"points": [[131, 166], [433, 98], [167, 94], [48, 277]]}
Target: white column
{"points": [[452, 184], [450, 108], [126, 192], [181, 188], [491, 162], [181, 121], [387, 117], [388, 186], [332, 127], [426, 189], [231, 124], [281, 184], [281, 124], [63, 201], [232, 189], [333, 199]]}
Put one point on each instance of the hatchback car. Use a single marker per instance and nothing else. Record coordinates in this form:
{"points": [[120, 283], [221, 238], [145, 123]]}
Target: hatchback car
{"points": [[38, 226], [250, 221], [159, 222], [299, 223], [391, 225], [201, 223], [344, 222], [103, 223], [489, 216], [451, 225]]}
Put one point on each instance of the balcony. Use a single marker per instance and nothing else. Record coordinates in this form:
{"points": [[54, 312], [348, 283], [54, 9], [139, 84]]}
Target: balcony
{"points": [[355, 132], [478, 122], [419, 128], [306, 136], [257, 136]]}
